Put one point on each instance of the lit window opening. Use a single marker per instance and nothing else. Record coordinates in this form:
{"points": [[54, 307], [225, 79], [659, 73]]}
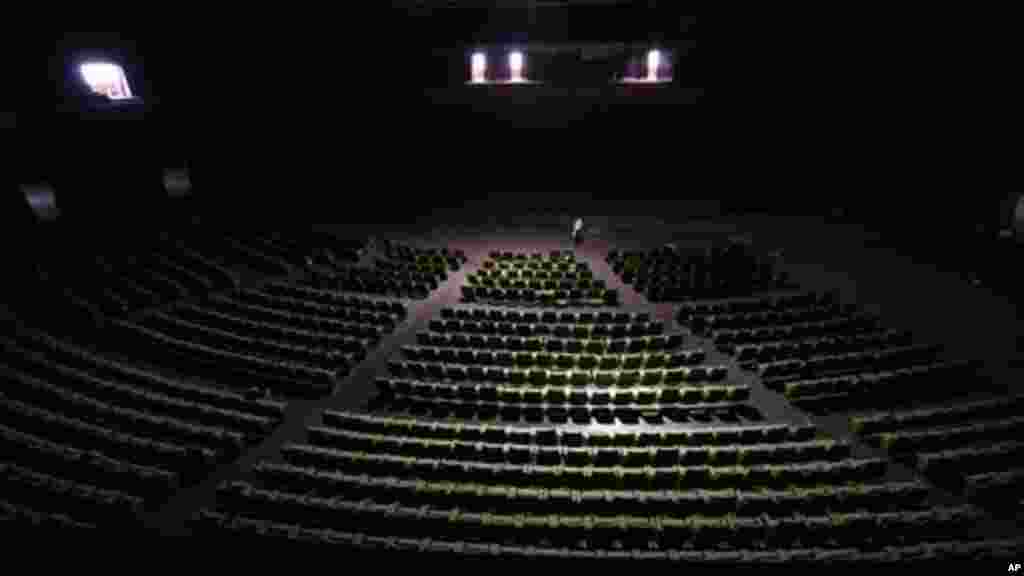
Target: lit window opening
{"points": [[106, 78]]}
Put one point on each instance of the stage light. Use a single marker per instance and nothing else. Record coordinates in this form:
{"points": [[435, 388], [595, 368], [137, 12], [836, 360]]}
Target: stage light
{"points": [[515, 66], [478, 67], [653, 63], [106, 78]]}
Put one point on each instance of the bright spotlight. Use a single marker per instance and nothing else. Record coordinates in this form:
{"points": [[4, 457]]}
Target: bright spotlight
{"points": [[478, 67], [106, 78], [653, 63], [515, 66]]}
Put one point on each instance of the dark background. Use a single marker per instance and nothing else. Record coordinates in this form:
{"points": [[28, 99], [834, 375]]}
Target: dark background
{"points": [[296, 117]]}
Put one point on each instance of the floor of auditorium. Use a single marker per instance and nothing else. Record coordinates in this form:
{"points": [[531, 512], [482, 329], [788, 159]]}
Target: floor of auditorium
{"points": [[817, 256]]}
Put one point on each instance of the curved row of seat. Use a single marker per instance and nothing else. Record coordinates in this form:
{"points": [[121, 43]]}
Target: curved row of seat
{"points": [[665, 530], [933, 439], [469, 431], [233, 369], [770, 319], [408, 253], [821, 346], [257, 411], [728, 340], [555, 377], [532, 257], [438, 406], [606, 456], [436, 268], [137, 464], [83, 503], [875, 388], [893, 358], [1000, 488], [342, 352], [322, 354], [244, 530], [218, 428], [594, 297], [652, 397], [495, 498], [667, 275], [496, 314], [760, 303], [990, 408], [584, 285], [345, 321], [567, 361], [278, 291], [588, 477], [340, 337], [327, 313], [376, 284], [564, 331], [559, 273]]}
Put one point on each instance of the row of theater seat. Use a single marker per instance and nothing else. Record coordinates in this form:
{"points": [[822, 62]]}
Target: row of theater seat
{"points": [[932, 439], [563, 361], [870, 360], [408, 253], [329, 357], [552, 256], [349, 274], [273, 291], [726, 455], [764, 303], [439, 406], [1000, 407], [257, 258], [378, 286], [247, 412], [219, 426], [556, 377], [548, 399], [1001, 488], [709, 325], [472, 497], [585, 285], [626, 395], [679, 477], [666, 530], [327, 314], [322, 353], [576, 297], [494, 314], [172, 445], [557, 274], [678, 278], [20, 515], [821, 346], [339, 337], [955, 462], [556, 436], [226, 367], [310, 320], [95, 454], [243, 530], [83, 502], [438, 269], [876, 388], [548, 347], [728, 340], [568, 331]]}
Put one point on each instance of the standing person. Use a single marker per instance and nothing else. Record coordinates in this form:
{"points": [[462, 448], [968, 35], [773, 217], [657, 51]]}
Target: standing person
{"points": [[577, 231]]}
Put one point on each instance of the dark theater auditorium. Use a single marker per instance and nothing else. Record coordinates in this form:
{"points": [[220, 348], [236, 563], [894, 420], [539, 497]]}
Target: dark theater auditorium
{"points": [[493, 286]]}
